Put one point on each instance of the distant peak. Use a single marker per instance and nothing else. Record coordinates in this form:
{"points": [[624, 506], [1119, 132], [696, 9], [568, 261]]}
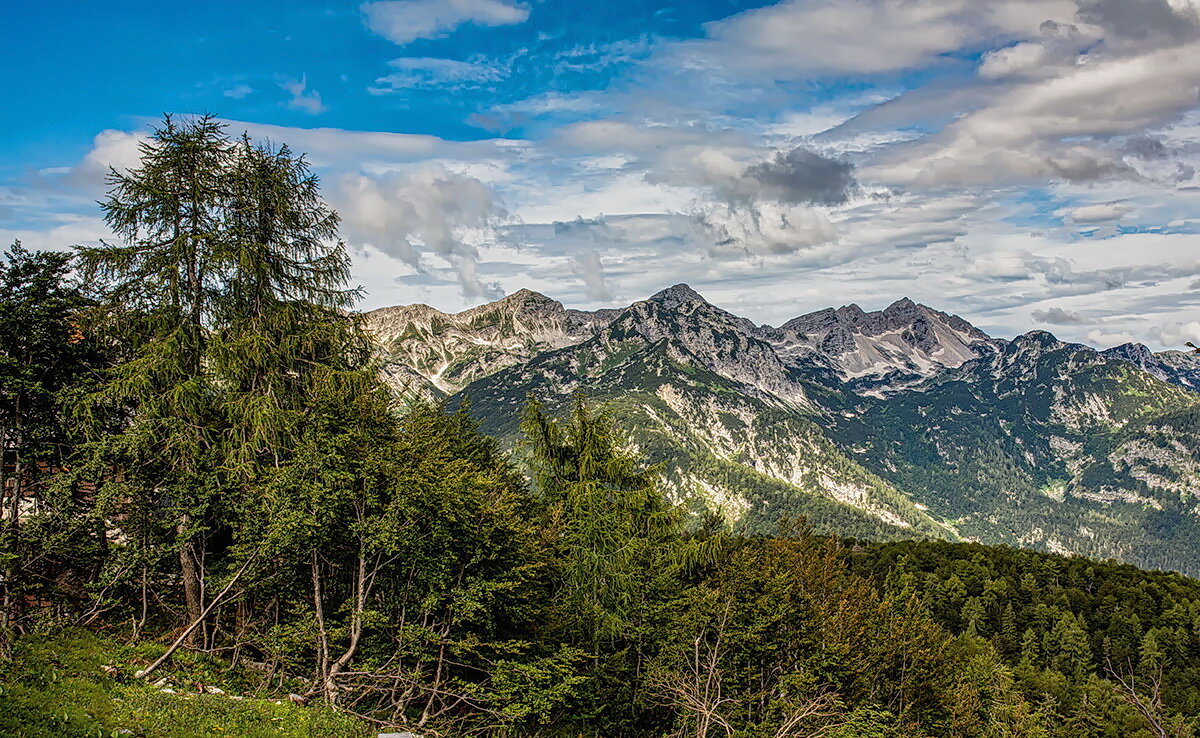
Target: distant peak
{"points": [[524, 294], [1045, 339], [680, 294], [903, 305], [522, 300], [852, 313], [1138, 353]]}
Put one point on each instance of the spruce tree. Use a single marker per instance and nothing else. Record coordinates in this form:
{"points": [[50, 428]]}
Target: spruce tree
{"points": [[613, 522]]}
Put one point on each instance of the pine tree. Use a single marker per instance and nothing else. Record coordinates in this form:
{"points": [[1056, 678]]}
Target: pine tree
{"points": [[159, 285], [282, 325], [1008, 639], [43, 359], [1031, 652]]}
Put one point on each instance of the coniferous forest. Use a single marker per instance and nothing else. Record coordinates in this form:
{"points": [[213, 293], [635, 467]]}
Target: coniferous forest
{"points": [[217, 518]]}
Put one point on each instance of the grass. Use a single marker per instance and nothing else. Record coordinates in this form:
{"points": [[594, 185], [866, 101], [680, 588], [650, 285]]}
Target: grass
{"points": [[59, 686]]}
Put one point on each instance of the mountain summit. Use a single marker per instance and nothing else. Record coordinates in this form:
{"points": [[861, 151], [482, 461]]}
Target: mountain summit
{"points": [[677, 296], [894, 346]]}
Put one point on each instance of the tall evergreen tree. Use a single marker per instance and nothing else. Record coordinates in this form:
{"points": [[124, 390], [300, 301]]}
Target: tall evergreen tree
{"points": [[43, 358], [612, 521], [159, 284], [282, 324]]}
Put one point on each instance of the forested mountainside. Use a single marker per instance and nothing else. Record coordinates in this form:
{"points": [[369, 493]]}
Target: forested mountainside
{"points": [[897, 423]]}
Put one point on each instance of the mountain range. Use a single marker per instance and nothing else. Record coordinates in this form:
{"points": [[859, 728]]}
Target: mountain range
{"points": [[899, 423]]}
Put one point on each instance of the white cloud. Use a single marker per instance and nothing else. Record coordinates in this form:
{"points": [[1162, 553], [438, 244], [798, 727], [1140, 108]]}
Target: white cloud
{"points": [[1177, 334], [586, 265], [797, 37], [1100, 213], [1025, 58], [62, 232], [1056, 128], [238, 91], [119, 150], [303, 99], [342, 149], [1105, 339], [403, 21], [420, 72], [426, 211], [1058, 316]]}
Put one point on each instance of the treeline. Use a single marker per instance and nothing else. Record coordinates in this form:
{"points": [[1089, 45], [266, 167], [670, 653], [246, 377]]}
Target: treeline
{"points": [[1068, 628], [198, 450]]}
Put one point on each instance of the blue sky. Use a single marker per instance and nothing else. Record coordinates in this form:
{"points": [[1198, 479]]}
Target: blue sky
{"points": [[1024, 163]]}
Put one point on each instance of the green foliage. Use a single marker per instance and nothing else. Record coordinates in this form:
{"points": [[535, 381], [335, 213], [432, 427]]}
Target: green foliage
{"points": [[44, 363], [58, 686], [614, 528], [1086, 626]]}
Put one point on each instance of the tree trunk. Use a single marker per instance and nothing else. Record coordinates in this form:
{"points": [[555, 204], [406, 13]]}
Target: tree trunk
{"points": [[322, 632], [189, 572], [360, 606], [187, 633]]}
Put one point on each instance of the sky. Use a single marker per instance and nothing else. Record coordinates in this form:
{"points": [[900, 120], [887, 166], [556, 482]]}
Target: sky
{"points": [[1027, 164]]}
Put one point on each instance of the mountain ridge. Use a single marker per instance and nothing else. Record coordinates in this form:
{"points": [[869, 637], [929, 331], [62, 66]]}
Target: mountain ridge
{"points": [[910, 422]]}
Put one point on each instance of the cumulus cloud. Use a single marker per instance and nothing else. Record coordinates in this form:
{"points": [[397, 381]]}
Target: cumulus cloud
{"points": [[802, 176], [1023, 58], [586, 265], [585, 240], [1145, 147], [427, 211], [1100, 213], [1177, 334], [404, 21], [303, 99], [766, 207], [1059, 316], [1056, 128], [120, 150], [765, 228], [797, 37], [1056, 47], [1108, 339], [1142, 20]]}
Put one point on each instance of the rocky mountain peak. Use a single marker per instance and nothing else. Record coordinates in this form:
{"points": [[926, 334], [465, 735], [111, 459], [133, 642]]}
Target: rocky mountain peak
{"points": [[903, 308], [1138, 353], [523, 300], [905, 338], [1037, 339], [1178, 367], [851, 314], [676, 296]]}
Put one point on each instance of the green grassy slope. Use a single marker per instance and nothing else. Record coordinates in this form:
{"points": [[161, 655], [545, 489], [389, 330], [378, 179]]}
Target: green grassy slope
{"points": [[80, 684]]}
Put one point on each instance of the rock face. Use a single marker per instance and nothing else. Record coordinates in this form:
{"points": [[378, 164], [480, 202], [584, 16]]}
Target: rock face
{"points": [[897, 423], [1177, 367], [431, 354], [886, 349]]}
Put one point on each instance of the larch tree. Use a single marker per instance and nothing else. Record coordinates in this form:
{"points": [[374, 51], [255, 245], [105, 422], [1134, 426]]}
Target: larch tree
{"points": [[159, 286]]}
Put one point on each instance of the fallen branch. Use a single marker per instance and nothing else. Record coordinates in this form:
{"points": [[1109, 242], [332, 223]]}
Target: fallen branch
{"points": [[196, 623]]}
